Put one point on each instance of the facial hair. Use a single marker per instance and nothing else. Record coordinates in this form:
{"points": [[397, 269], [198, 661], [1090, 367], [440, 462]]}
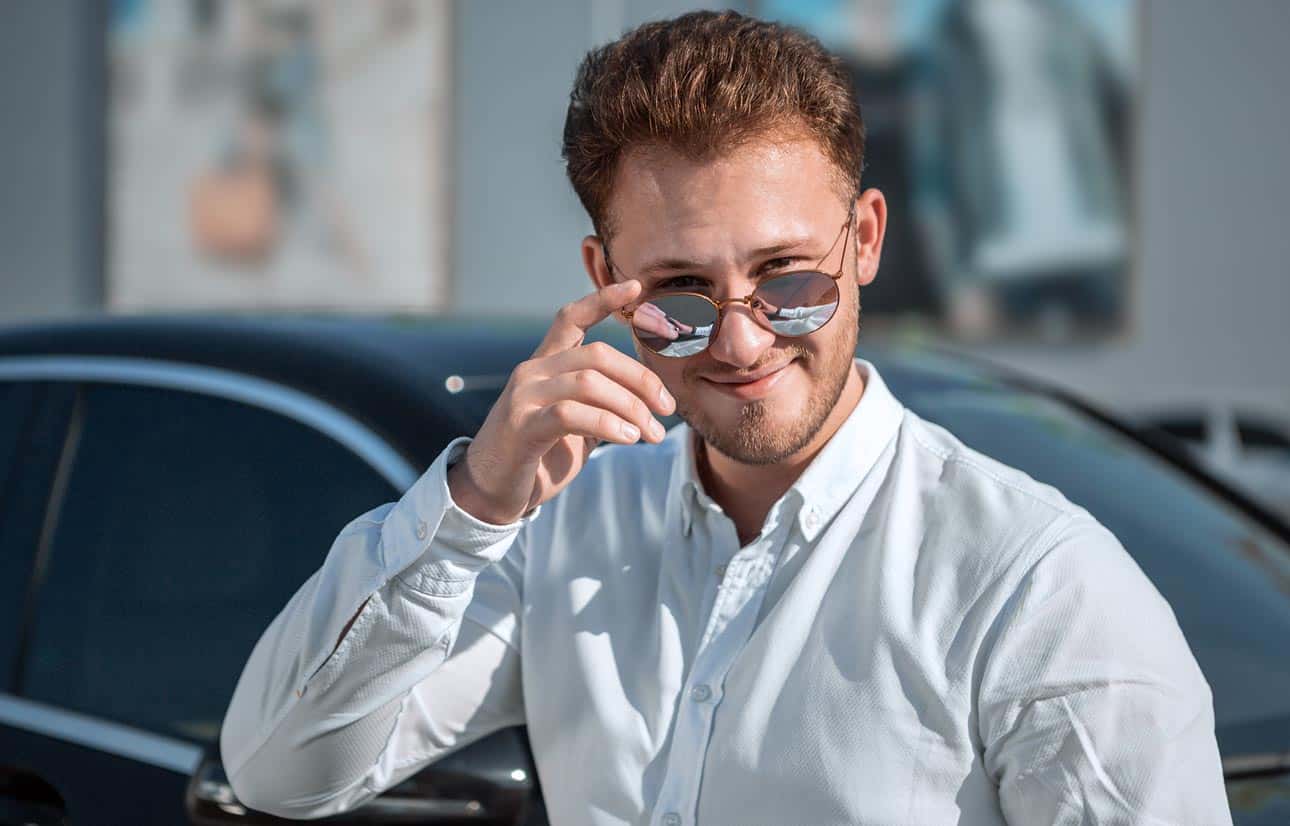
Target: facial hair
{"points": [[755, 439]]}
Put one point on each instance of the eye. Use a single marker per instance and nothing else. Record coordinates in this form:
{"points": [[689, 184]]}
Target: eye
{"points": [[681, 282], [775, 264]]}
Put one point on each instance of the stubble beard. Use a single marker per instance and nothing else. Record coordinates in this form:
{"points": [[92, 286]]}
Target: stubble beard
{"points": [[755, 439]]}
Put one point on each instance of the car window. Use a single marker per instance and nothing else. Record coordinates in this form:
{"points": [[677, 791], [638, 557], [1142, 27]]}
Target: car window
{"points": [[16, 542], [1226, 578], [187, 524]]}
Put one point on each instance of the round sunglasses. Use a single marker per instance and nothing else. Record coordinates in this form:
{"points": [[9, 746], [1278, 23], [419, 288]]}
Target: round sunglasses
{"points": [[681, 324]]}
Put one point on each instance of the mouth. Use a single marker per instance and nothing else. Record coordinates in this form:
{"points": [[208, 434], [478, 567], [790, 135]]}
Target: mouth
{"points": [[755, 385]]}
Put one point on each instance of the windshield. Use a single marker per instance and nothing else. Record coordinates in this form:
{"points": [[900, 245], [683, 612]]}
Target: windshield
{"points": [[1227, 578]]}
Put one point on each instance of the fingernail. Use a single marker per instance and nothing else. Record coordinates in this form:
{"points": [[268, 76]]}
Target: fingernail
{"points": [[657, 429], [664, 397], [631, 431]]}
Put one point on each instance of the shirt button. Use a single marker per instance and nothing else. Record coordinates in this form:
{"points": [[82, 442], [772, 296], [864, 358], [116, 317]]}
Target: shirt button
{"points": [[422, 530], [721, 570], [812, 519], [671, 819], [700, 693]]}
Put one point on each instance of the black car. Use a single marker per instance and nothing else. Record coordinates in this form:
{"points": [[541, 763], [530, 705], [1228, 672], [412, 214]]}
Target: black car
{"points": [[166, 484]]}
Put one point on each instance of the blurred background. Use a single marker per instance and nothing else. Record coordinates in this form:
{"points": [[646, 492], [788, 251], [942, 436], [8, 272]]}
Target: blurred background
{"points": [[1090, 191]]}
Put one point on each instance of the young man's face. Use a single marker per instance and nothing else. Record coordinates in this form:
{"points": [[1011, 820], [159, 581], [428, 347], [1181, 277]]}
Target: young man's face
{"points": [[753, 395]]}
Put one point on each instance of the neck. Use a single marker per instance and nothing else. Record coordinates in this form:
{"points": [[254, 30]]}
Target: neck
{"points": [[747, 492]]}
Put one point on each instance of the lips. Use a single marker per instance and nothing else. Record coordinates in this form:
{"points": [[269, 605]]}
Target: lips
{"points": [[749, 386]]}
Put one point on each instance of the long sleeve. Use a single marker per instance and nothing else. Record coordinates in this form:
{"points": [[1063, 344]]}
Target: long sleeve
{"points": [[1092, 707], [430, 664]]}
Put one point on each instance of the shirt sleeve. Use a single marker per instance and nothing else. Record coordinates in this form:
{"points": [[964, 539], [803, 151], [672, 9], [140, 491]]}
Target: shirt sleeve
{"points": [[430, 664], [1092, 708]]}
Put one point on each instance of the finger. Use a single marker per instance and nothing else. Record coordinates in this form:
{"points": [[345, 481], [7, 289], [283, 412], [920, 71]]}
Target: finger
{"points": [[619, 367], [573, 418], [596, 389], [574, 319]]}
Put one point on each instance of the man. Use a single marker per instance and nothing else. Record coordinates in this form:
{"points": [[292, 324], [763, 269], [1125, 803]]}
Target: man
{"points": [[806, 605]]}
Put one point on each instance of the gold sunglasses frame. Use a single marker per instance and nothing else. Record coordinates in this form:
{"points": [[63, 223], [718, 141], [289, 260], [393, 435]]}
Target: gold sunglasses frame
{"points": [[748, 299]]}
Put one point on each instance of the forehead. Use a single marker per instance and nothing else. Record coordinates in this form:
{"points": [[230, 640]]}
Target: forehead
{"points": [[664, 203]]}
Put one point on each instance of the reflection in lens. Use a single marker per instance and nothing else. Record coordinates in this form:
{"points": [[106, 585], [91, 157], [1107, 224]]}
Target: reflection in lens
{"points": [[675, 325], [799, 303]]}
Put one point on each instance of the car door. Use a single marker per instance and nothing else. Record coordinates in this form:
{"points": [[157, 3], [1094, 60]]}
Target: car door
{"points": [[181, 522], [183, 519]]}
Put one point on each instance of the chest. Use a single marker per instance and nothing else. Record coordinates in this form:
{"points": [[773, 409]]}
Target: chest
{"points": [[745, 676]]}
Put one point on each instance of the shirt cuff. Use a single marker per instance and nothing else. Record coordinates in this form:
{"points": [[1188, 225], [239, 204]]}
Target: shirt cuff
{"points": [[431, 543], [461, 531]]}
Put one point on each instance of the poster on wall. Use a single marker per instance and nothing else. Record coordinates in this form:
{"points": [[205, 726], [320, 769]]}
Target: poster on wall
{"points": [[1000, 132], [278, 154]]}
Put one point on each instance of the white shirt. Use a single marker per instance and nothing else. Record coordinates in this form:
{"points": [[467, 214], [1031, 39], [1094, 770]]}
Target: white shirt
{"points": [[919, 635]]}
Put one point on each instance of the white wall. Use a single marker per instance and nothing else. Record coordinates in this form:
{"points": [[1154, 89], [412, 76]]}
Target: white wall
{"points": [[50, 145]]}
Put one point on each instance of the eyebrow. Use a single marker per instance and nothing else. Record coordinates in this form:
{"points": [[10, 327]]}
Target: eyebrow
{"points": [[668, 265]]}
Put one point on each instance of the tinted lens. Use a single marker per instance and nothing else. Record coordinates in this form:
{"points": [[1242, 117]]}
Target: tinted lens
{"points": [[675, 325], [798, 303]]}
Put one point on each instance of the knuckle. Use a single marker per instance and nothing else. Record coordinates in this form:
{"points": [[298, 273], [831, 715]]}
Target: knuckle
{"points": [[522, 371], [599, 350], [584, 378], [562, 412]]}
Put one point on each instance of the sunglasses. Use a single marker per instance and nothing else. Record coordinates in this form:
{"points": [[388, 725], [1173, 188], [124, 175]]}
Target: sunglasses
{"points": [[681, 324]]}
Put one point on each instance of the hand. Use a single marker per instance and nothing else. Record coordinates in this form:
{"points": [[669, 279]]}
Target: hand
{"points": [[555, 408]]}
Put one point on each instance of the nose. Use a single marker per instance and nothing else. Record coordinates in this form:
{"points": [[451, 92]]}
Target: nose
{"points": [[740, 341]]}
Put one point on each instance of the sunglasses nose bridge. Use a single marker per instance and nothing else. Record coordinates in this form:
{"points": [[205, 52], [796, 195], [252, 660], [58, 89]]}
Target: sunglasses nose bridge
{"points": [[751, 301]]}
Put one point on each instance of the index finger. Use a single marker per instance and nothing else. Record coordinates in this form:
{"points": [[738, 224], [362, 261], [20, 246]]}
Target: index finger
{"points": [[574, 319]]}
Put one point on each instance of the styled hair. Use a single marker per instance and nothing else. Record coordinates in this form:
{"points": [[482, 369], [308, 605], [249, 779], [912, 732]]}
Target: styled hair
{"points": [[702, 84]]}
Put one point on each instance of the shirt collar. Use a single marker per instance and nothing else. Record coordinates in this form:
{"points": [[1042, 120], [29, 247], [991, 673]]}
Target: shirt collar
{"points": [[830, 479]]}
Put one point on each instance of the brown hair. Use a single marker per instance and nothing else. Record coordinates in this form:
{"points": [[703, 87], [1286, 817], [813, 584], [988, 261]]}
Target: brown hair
{"points": [[701, 84]]}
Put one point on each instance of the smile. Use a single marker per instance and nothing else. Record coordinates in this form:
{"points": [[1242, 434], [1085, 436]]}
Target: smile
{"points": [[751, 387]]}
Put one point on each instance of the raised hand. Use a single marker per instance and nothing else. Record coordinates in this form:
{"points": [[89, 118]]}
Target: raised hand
{"points": [[555, 408]]}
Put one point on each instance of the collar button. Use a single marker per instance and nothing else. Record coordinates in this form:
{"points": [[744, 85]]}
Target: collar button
{"points": [[812, 519]]}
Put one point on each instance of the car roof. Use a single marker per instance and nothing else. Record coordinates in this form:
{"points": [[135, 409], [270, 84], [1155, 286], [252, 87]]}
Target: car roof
{"points": [[390, 372]]}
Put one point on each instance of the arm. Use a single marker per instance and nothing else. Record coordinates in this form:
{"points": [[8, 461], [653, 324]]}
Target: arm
{"points": [[1092, 708], [339, 702], [369, 673]]}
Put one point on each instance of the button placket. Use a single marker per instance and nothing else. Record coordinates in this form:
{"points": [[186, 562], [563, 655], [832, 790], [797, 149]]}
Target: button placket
{"points": [[730, 624]]}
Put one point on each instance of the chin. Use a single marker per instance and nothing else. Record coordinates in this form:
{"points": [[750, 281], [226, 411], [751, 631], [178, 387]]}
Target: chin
{"points": [[759, 432]]}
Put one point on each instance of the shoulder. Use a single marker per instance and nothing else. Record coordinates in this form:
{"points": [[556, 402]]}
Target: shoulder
{"points": [[1034, 548], [996, 509]]}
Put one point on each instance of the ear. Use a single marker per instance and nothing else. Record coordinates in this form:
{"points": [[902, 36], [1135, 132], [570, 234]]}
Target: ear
{"points": [[871, 226], [593, 260]]}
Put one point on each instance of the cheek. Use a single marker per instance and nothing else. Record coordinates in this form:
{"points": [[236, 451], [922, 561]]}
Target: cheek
{"points": [[670, 371]]}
